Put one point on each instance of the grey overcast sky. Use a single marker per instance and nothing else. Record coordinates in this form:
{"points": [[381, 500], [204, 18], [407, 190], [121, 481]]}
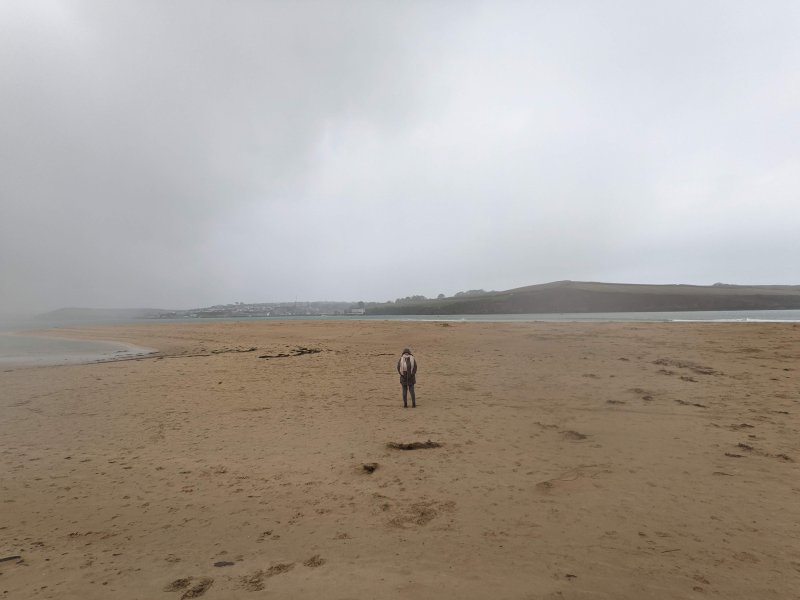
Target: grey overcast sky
{"points": [[183, 153]]}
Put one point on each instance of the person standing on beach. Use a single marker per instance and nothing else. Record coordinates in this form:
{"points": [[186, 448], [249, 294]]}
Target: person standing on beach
{"points": [[407, 367]]}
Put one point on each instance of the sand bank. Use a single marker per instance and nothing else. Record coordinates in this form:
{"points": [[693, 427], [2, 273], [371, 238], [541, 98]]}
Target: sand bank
{"points": [[575, 461]]}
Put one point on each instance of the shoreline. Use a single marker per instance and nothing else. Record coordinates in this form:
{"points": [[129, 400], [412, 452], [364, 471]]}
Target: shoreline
{"points": [[94, 350]]}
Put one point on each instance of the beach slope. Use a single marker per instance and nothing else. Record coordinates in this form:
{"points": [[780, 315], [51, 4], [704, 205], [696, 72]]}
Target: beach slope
{"points": [[568, 460]]}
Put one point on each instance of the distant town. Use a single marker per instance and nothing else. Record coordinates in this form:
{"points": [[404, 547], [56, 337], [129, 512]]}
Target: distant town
{"points": [[554, 297], [267, 309], [242, 310], [300, 309]]}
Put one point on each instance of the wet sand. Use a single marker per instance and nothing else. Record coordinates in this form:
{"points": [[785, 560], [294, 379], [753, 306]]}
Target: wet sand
{"points": [[575, 461]]}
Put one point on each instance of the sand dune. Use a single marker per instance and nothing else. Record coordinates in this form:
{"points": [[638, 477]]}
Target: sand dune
{"points": [[573, 461]]}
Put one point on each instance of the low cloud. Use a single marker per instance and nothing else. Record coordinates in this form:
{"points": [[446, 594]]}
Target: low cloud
{"points": [[188, 153]]}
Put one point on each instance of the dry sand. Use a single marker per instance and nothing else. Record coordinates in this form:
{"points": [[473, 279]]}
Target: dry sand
{"points": [[576, 461]]}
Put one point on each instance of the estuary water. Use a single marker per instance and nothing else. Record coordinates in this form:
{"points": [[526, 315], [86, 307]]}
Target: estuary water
{"points": [[22, 345], [32, 351], [699, 316], [25, 343]]}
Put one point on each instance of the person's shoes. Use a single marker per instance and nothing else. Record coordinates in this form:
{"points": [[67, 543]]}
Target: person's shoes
{"points": [[413, 406], [405, 405]]}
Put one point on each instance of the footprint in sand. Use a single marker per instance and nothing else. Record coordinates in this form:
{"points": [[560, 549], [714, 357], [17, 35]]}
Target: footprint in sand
{"points": [[255, 581], [195, 591], [421, 513], [315, 561], [572, 480], [178, 584], [746, 557]]}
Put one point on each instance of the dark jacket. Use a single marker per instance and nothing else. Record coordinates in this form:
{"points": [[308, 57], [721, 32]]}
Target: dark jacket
{"points": [[407, 367]]}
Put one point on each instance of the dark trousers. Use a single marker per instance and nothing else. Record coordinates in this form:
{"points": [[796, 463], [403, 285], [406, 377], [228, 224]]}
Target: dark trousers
{"points": [[406, 389]]}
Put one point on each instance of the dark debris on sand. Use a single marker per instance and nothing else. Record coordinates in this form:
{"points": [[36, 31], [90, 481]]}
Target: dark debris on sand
{"points": [[299, 351], [413, 445]]}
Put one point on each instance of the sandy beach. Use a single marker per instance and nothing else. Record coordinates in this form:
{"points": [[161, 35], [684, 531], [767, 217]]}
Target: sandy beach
{"points": [[574, 461]]}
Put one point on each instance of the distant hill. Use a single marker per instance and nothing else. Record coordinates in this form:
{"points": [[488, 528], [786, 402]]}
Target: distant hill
{"points": [[99, 314], [583, 297]]}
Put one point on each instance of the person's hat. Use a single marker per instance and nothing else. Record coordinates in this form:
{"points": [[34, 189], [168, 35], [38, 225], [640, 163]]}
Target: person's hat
{"points": [[406, 351]]}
